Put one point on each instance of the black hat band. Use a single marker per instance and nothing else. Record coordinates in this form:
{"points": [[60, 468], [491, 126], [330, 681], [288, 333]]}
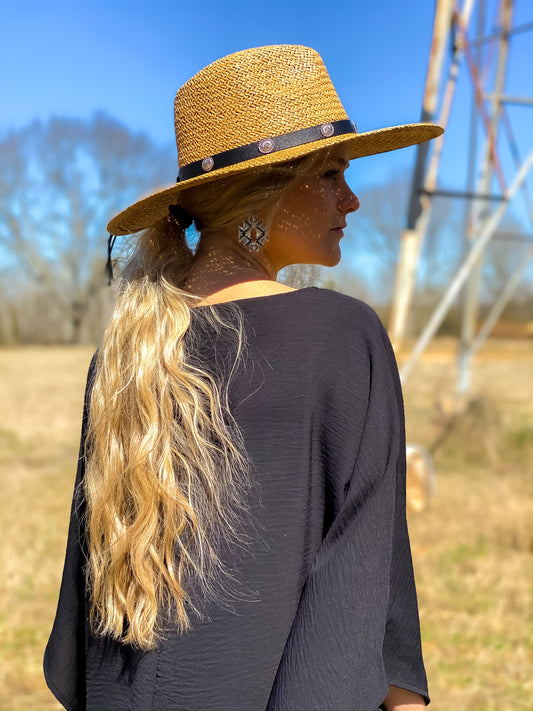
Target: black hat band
{"points": [[264, 147]]}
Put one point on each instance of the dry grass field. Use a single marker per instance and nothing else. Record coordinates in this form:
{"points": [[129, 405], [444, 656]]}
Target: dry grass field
{"points": [[472, 547]]}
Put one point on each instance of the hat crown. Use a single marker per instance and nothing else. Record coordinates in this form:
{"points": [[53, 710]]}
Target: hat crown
{"points": [[250, 95]]}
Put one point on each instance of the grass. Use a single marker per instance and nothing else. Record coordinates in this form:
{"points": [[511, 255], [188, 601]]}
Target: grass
{"points": [[40, 407], [472, 548]]}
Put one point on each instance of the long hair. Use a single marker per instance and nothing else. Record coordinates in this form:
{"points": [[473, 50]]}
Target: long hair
{"points": [[166, 468]]}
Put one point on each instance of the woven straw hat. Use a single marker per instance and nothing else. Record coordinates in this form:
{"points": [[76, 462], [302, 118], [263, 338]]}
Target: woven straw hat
{"points": [[256, 108]]}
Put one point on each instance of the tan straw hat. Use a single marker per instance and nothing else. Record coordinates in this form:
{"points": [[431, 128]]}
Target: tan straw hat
{"points": [[256, 108]]}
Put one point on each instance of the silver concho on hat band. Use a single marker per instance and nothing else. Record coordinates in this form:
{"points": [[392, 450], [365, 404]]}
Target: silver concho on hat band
{"points": [[327, 130], [208, 163], [266, 145]]}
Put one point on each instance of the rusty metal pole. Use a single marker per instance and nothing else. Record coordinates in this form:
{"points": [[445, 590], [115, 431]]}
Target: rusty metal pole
{"points": [[480, 210], [485, 235], [501, 302], [411, 237]]}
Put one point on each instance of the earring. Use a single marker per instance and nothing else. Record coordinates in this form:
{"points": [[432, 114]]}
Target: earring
{"points": [[253, 234]]}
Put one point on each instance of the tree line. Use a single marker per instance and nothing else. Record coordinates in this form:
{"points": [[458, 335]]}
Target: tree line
{"points": [[60, 182], [62, 179]]}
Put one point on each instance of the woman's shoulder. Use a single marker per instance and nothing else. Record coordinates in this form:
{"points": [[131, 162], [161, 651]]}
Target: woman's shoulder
{"points": [[332, 310], [315, 318], [341, 303], [321, 298]]}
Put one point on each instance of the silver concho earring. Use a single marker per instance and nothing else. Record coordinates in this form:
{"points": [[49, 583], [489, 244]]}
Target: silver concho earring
{"points": [[253, 234]]}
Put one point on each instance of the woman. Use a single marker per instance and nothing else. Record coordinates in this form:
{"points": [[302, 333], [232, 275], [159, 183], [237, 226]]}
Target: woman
{"points": [[238, 536]]}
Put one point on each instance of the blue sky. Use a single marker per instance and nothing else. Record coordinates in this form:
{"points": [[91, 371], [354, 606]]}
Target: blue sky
{"points": [[129, 58]]}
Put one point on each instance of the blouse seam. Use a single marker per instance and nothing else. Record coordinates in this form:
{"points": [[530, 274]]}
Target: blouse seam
{"points": [[156, 677]]}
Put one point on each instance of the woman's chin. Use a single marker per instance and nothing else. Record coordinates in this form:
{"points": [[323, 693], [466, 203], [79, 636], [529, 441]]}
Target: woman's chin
{"points": [[332, 259]]}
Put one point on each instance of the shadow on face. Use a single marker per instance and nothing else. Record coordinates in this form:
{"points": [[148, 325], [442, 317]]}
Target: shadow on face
{"points": [[308, 222]]}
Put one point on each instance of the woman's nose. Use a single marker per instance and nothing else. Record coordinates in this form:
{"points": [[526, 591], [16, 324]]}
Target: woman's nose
{"points": [[349, 202]]}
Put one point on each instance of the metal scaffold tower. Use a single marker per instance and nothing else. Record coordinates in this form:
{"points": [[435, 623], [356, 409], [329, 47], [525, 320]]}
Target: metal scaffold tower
{"points": [[485, 58]]}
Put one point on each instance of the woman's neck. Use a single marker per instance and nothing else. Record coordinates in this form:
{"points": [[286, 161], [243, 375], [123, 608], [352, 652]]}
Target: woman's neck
{"points": [[245, 290], [220, 263]]}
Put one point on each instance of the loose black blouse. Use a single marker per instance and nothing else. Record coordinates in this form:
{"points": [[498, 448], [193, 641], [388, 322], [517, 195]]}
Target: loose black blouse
{"points": [[324, 616]]}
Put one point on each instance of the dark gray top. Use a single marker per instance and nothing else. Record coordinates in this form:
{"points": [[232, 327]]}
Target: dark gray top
{"points": [[328, 618]]}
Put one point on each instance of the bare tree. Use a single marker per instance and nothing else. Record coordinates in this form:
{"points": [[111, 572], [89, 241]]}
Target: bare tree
{"points": [[376, 236], [301, 275], [503, 256], [60, 182]]}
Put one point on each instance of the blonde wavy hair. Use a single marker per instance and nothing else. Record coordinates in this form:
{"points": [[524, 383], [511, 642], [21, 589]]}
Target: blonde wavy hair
{"points": [[166, 469]]}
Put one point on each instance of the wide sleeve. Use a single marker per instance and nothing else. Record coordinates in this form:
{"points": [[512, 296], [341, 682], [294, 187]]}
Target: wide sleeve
{"points": [[64, 657], [356, 629], [402, 651]]}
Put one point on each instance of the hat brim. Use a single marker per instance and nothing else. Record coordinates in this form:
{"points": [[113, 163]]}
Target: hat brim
{"points": [[152, 208]]}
